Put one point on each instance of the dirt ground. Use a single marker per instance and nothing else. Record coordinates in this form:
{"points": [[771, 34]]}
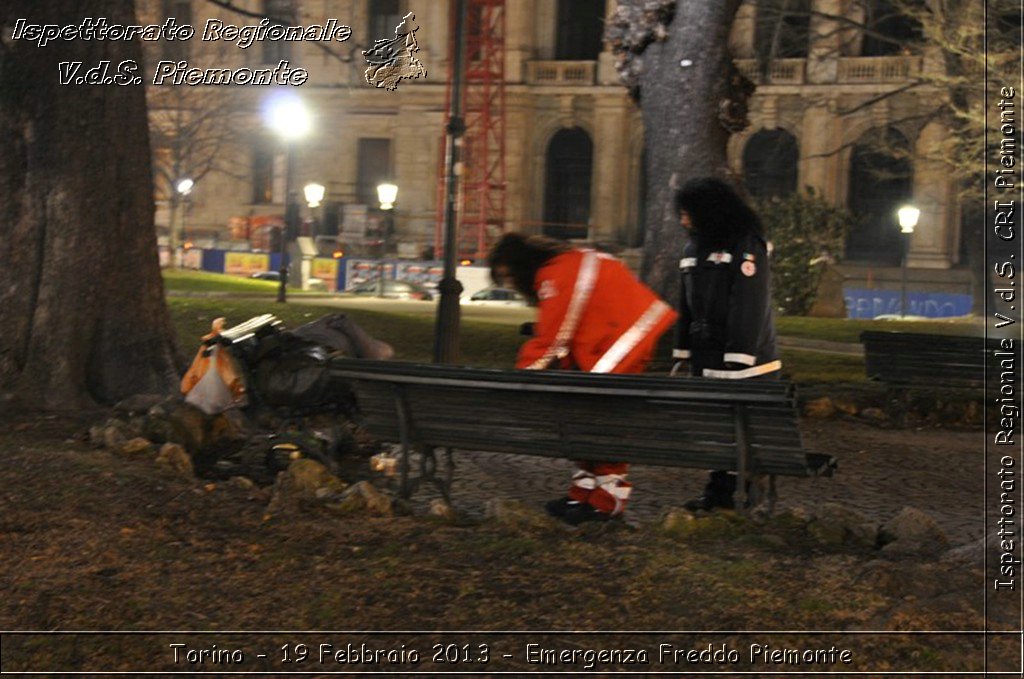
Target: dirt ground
{"points": [[186, 575]]}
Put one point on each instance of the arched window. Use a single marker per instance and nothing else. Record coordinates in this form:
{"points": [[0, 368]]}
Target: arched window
{"points": [[881, 180], [568, 165], [770, 164], [580, 30]]}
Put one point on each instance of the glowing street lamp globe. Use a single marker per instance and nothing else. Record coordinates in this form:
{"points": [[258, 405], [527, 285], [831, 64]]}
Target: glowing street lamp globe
{"points": [[908, 216], [184, 187], [288, 117], [387, 194], [314, 194]]}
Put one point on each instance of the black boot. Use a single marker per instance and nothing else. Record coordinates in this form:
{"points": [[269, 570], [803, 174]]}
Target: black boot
{"points": [[559, 507], [717, 493]]}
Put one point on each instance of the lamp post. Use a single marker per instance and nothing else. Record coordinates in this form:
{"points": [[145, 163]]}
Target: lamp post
{"points": [[908, 216], [288, 117], [387, 194], [446, 327], [314, 195], [182, 188]]}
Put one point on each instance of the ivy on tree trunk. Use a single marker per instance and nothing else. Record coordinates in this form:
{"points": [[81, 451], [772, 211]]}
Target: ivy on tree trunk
{"points": [[674, 57], [82, 311]]}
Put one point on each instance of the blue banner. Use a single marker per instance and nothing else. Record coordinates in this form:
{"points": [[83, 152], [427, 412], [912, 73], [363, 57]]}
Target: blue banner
{"points": [[862, 303]]}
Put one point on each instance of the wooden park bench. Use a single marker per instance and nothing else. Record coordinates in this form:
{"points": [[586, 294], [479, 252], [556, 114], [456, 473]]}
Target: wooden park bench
{"points": [[903, 360], [749, 426]]}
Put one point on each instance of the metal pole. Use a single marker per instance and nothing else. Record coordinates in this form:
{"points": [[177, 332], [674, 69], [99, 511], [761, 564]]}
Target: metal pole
{"points": [[903, 275], [282, 292], [446, 327]]}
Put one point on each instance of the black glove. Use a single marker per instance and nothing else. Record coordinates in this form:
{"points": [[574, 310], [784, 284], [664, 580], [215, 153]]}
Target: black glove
{"points": [[526, 329]]}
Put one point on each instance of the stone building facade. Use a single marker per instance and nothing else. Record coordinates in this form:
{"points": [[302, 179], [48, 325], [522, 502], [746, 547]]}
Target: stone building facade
{"points": [[574, 138]]}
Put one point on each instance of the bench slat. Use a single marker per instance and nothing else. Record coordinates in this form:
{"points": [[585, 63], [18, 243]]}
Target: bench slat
{"points": [[684, 422]]}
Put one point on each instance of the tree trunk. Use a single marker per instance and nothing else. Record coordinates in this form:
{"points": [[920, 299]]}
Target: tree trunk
{"points": [[683, 82], [82, 310]]}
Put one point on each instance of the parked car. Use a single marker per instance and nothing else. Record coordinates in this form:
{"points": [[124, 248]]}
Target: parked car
{"points": [[393, 290], [495, 296], [267, 276]]}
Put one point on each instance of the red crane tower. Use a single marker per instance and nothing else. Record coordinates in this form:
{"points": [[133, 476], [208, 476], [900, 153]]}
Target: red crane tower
{"points": [[480, 210]]}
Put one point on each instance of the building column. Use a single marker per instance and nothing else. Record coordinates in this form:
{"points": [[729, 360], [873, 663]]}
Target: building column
{"points": [[606, 73], [818, 161], [610, 176], [826, 39], [741, 38], [518, 38], [416, 157], [932, 243]]}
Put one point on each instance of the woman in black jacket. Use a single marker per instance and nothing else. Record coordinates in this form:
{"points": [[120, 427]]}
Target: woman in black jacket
{"points": [[726, 325]]}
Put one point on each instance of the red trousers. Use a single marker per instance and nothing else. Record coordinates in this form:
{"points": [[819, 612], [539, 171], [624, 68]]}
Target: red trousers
{"points": [[604, 484]]}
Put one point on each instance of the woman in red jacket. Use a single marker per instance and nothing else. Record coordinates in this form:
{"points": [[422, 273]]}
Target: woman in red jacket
{"points": [[593, 315]]}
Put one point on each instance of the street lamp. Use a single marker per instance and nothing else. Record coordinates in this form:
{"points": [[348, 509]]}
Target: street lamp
{"points": [[387, 194], [314, 195], [908, 216], [289, 118]]}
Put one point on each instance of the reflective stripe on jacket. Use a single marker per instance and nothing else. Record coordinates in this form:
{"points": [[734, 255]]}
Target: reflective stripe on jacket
{"points": [[594, 313]]}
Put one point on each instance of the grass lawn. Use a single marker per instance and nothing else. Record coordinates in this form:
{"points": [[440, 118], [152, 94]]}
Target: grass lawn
{"points": [[489, 336], [185, 280], [484, 344], [849, 330]]}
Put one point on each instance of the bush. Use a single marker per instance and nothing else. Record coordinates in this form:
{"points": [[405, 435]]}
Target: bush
{"points": [[807, 233]]}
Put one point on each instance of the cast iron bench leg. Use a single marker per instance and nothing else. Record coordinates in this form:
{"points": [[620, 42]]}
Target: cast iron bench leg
{"points": [[406, 485], [742, 457]]}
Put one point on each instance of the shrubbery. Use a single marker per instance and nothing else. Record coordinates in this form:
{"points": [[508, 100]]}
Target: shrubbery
{"points": [[807, 233]]}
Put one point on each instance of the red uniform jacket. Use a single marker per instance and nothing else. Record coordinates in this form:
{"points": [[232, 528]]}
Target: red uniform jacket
{"points": [[593, 313]]}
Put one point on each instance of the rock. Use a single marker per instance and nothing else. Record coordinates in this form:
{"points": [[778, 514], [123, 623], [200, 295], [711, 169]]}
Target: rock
{"points": [[114, 435], [684, 523], [830, 301], [308, 476], [96, 436], [846, 406], [836, 526], [139, 403], [136, 446], [513, 514], [876, 414], [175, 457], [679, 521], [442, 510], [912, 532], [188, 426], [230, 425], [241, 482], [363, 496], [304, 481], [820, 408]]}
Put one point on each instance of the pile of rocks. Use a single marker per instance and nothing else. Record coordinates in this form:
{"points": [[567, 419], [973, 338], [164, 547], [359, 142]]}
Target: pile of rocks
{"points": [[231, 446]]}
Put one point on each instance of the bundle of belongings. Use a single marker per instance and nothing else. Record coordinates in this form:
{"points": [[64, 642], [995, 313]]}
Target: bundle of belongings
{"points": [[259, 362]]}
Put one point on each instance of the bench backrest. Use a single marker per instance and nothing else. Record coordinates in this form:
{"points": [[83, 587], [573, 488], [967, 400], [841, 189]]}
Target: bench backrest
{"points": [[655, 420], [904, 358]]}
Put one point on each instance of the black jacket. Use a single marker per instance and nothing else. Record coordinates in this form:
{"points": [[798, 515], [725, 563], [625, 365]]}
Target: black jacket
{"points": [[726, 326]]}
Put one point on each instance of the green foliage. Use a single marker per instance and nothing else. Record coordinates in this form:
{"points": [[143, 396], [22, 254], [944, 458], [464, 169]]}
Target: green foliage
{"points": [[807, 233]]}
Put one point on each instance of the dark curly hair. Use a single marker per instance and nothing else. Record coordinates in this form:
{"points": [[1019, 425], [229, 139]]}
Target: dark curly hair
{"points": [[524, 256], [719, 216]]}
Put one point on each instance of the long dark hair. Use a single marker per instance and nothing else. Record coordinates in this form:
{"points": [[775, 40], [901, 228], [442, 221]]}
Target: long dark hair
{"points": [[524, 256], [719, 216]]}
